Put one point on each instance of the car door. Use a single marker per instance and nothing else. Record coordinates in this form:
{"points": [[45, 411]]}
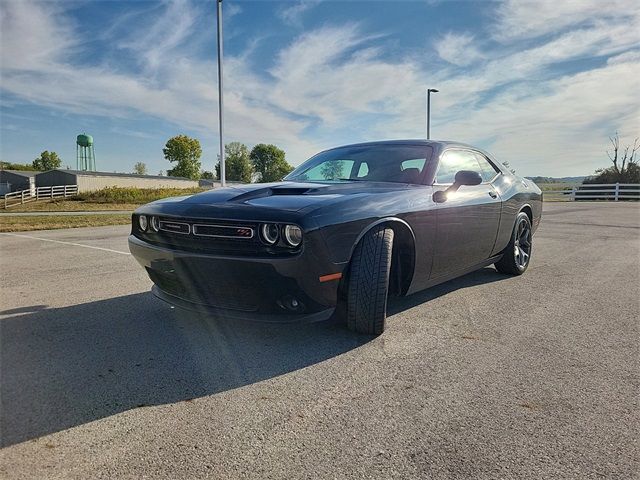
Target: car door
{"points": [[467, 221]]}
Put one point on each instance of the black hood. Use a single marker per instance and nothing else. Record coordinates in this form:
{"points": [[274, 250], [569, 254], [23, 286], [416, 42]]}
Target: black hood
{"points": [[291, 196]]}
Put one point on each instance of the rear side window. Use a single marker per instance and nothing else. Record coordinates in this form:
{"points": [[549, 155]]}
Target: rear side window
{"points": [[452, 161], [488, 170]]}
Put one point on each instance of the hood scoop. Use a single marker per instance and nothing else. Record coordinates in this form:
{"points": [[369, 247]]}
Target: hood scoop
{"points": [[271, 191], [290, 190]]}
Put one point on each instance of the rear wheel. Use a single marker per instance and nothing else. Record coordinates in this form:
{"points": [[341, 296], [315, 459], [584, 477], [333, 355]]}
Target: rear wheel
{"points": [[515, 259], [368, 282]]}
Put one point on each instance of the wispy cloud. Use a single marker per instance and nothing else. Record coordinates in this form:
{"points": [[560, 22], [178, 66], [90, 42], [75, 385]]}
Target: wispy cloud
{"points": [[518, 19], [293, 14], [458, 49], [34, 35], [164, 34], [338, 83]]}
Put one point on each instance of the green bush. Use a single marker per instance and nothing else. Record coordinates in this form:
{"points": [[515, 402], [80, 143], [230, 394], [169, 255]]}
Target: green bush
{"points": [[133, 195]]}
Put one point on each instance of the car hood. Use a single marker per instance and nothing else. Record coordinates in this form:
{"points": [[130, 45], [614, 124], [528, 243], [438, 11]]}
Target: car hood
{"points": [[292, 196]]}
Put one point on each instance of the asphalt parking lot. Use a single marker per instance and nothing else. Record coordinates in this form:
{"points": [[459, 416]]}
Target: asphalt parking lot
{"points": [[486, 376]]}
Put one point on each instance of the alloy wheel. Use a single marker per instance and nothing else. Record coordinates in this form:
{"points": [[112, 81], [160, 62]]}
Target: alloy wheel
{"points": [[522, 245]]}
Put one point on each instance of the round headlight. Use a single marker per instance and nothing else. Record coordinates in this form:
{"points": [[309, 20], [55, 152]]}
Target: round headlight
{"points": [[143, 223], [269, 233], [155, 224], [293, 235]]}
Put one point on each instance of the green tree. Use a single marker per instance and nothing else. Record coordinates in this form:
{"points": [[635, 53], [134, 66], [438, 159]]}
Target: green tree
{"points": [[15, 166], [237, 165], [140, 168], [269, 163], [47, 161], [206, 174], [185, 152]]}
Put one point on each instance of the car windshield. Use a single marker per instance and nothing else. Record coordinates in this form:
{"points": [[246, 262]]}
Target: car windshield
{"points": [[373, 163]]}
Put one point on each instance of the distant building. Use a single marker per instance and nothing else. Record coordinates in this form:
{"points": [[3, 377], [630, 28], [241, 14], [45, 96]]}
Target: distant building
{"points": [[14, 180], [90, 181]]}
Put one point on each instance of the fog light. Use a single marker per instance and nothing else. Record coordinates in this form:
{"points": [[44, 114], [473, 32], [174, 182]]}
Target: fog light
{"points": [[143, 223], [269, 232], [155, 224], [293, 235], [291, 303]]}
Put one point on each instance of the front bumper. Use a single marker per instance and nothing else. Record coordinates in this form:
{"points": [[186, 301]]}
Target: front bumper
{"points": [[262, 289]]}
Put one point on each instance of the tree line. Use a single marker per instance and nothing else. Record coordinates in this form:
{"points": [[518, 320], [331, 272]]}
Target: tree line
{"points": [[267, 163], [46, 161], [263, 163]]}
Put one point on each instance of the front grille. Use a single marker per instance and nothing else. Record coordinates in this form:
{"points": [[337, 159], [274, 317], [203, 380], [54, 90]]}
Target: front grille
{"points": [[175, 227], [222, 231], [215, 237]]}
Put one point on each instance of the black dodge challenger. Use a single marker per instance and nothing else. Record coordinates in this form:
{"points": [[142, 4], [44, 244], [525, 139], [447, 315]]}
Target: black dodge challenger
{"points": [[349, 227]]}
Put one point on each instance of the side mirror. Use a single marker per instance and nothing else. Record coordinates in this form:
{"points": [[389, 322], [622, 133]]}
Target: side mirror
{"points": [[467, 177], [463, 177]]}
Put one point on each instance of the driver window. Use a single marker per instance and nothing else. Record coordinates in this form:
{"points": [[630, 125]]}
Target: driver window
{"points": [[452, 161]]}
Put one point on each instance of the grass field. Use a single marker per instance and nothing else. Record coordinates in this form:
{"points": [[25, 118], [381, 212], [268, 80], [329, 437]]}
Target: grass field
{"points": [[139, 196], [47, 222], [68, 205], [555, 197], [111, 198]]}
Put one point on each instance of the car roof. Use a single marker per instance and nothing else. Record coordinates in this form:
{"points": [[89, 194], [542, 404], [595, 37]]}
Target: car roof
{"points": [[434, 143], [438, 145]]}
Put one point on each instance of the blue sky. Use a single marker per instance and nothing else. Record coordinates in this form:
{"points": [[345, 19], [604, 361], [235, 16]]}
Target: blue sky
{"points": [[539, 84]]}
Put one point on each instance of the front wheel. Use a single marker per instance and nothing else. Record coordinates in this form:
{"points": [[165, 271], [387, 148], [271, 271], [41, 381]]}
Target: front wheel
{"points": [[368, 282], [517, 255]]}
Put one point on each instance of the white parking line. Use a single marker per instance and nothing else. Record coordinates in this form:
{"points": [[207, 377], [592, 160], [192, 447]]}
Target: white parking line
{"points": [[66, 243]]}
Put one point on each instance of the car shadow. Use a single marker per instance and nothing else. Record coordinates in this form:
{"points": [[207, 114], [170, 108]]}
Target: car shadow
{"points": [[63, 367], [479, 277]]}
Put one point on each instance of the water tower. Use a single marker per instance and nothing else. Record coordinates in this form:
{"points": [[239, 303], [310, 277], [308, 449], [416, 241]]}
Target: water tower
{"points": [[85, 155]]}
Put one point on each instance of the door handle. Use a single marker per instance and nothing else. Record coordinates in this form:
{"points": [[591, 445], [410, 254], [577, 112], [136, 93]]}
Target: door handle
{"points": [[493, 194]]}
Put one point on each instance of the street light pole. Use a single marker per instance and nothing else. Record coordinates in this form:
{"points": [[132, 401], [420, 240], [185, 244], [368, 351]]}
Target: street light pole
{"points": [[429, 91], [223, 180]]}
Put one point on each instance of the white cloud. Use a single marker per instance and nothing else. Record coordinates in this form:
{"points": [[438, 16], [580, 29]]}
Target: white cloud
{"points": [[32, 37], [458, 49], [564, 130], [517, 19], [293, 14], [165, 34], [336, 84]]}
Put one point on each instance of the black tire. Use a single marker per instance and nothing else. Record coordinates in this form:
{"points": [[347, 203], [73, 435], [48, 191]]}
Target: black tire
{"points": [[368, 282], [517, 255]]}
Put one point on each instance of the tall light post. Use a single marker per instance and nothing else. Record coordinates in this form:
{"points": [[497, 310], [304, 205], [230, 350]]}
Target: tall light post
{"points": [[223, 180], [429, 92]]}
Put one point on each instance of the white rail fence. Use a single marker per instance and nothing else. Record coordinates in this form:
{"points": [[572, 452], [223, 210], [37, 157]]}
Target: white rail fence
{"points": [[601, 191], [39, 193]]}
